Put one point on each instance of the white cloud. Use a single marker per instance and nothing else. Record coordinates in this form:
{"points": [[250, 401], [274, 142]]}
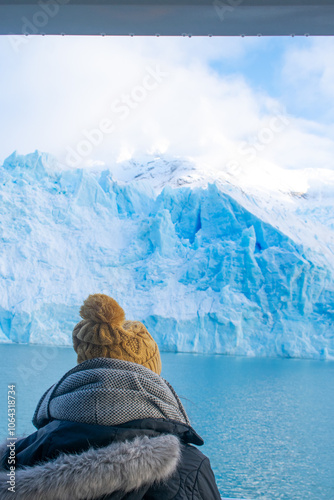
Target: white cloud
{"points": [[56, 92], [308, 75]]}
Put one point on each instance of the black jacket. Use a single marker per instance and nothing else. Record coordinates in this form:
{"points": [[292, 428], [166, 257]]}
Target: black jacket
{"points": [[147, 459]]}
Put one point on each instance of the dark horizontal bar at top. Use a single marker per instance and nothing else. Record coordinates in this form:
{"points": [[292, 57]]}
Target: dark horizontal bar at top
{"points": [[233, 3], [167, 18]]}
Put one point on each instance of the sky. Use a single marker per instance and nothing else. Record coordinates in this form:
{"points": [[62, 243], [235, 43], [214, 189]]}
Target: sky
{"points": [[227, 102]]}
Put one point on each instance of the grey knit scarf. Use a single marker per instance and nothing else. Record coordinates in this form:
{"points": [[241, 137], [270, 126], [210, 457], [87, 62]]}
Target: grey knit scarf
{"points": [[108, 391]]}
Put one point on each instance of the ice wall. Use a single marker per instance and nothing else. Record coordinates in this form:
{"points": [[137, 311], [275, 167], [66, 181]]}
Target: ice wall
{"points": [[201, 271]]}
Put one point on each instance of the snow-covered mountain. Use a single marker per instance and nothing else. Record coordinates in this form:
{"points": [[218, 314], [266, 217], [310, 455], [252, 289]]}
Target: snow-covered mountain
{"points": [[208, 262]]}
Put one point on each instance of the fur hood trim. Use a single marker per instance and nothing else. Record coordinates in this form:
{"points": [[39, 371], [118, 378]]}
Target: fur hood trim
{"points": [[124, 466]]}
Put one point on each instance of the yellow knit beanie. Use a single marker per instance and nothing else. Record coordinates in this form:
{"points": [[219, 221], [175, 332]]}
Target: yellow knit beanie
{"points": [[104, 333]]}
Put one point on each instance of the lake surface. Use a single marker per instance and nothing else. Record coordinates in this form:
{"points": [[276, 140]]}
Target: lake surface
{"points": [[268, 424]]}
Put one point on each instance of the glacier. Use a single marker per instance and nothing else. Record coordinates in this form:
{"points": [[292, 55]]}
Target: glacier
{"points": [[199, 262]]}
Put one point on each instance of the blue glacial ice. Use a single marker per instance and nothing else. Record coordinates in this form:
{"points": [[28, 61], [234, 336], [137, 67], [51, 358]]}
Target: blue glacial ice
{"points": [[199, 269]]}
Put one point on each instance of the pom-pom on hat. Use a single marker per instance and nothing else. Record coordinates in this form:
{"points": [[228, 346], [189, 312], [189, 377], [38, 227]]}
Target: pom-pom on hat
{"points": [[104, 333]]}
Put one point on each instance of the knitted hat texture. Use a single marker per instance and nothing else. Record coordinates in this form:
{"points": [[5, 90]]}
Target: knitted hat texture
{"points": [[104, 333]]}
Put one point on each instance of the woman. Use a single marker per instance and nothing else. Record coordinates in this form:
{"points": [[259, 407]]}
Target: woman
{"points": [[111, 428]]}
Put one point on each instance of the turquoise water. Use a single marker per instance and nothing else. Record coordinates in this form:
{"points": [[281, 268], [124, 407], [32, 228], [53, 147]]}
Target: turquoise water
{"points": [[267, 423]]}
